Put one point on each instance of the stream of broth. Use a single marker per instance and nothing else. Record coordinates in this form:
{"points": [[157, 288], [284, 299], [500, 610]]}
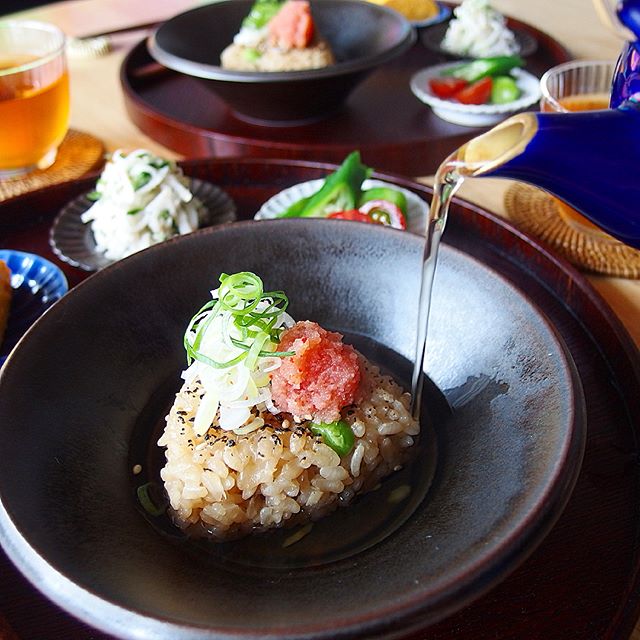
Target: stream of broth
{"points": [[449, 177], [474, 158]]}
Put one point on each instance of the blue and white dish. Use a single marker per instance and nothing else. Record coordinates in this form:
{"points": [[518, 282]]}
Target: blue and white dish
{"points": [[36, 284]]}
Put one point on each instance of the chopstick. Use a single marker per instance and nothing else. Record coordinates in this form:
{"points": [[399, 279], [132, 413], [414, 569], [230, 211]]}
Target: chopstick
{"points": [[113, 32]]}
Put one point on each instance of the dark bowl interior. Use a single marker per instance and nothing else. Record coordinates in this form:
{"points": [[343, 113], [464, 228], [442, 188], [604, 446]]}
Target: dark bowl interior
{"points": [[362, 36], [82, 396]]}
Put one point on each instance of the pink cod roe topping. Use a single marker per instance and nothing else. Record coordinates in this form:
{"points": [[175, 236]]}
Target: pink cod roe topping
{"points": [[292, 27], [320, 379]]}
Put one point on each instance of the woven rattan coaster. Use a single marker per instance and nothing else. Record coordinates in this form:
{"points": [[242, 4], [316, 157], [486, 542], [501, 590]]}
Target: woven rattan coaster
{"points": [[78, 154], [536, 212]]}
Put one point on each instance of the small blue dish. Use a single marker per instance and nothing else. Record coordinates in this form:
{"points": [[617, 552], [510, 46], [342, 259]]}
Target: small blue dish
{"points": [[444, 13], [36, 284]]}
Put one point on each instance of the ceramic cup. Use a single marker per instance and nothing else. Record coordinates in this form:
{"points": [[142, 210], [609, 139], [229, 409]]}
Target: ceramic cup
{"points": [[34, 95]]}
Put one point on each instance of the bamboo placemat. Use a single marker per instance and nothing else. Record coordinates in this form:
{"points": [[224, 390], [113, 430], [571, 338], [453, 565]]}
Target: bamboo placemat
{"points": [[78, 154], [536, 212]]}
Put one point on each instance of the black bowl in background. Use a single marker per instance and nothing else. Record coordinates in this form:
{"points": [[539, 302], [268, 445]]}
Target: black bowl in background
{"points": [[362, 36], [82, 395]]}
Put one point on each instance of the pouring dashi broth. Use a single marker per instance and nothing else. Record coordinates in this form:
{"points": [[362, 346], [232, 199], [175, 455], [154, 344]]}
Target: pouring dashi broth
{"points": [[478, 156]]}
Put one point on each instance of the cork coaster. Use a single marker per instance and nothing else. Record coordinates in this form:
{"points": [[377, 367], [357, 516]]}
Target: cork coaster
{"points": [[78, 154], [536, 212]]}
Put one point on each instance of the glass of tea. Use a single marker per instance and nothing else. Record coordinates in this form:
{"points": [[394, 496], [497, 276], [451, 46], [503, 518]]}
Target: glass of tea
{"points": [[581, 85], [34, 96]]}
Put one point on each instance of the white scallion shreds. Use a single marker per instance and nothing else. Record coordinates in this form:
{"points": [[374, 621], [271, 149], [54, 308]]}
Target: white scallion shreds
{"points": [[143, 200], [233, 395], [479, 31]]}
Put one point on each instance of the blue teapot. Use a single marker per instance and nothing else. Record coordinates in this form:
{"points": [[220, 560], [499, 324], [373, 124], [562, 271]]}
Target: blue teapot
{"points": [[589, 159]]}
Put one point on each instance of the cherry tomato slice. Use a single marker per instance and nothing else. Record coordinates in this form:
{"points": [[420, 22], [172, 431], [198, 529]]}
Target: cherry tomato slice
{"points": [[446, 87], [351, 214], [384, 212], [477, 93]]}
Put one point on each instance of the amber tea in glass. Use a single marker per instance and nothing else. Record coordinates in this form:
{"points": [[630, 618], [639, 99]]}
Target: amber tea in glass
{"points": [[34, 96]]}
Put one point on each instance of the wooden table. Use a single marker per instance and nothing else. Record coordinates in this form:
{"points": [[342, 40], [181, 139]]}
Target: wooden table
{"points": [[98, 107]]}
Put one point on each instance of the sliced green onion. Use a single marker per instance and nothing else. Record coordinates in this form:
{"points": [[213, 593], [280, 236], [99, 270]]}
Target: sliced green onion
{"points": [[337, 435], [140, 180], [251, 54], [254, 352], [93, 196], [399, 494], [297, 535], [147, 503], [220, 365], [240, 294]]}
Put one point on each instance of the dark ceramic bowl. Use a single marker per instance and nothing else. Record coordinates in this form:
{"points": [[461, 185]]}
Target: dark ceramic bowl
{"points": [[433, 36], [73, 242], [362, 36], [83, 395]]}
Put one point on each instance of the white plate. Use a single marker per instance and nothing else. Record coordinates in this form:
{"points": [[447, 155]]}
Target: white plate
{"points": [[474, 115], [417, 208]]}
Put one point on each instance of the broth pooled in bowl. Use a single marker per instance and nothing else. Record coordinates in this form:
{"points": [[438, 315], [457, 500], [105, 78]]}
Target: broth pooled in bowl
{"points": [[105, 364], [277, 421]]}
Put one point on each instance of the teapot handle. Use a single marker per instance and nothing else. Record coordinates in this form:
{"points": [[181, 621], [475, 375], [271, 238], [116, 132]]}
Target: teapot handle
{"points": [[608, 16]]}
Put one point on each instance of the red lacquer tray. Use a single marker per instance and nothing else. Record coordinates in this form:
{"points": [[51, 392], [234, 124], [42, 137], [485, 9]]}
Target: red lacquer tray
{"points": [[583, 581], [392, 128]]}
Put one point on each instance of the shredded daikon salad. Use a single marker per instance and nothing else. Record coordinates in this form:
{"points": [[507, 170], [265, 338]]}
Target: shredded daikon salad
{"points": [[140, 200], [231, 348], [479, 31]]}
